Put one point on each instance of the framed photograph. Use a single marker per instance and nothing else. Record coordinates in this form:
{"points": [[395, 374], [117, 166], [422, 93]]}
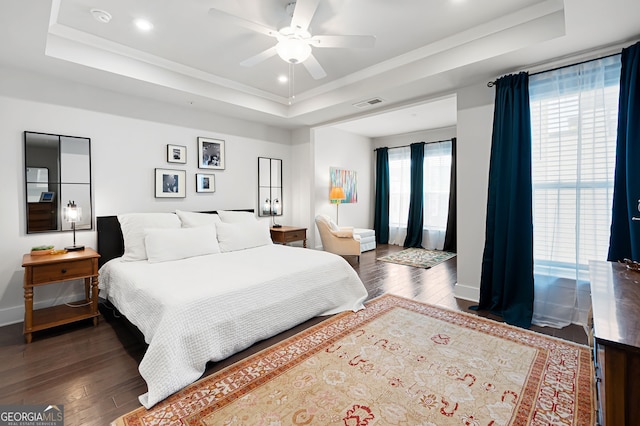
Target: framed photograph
{"points": [[210, 153], [46, 197], [205, 182], [176, 154], [170, 183]]}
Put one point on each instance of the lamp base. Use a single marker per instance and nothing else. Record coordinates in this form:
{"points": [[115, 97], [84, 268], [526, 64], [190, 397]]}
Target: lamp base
{"points": [[74, 248]]}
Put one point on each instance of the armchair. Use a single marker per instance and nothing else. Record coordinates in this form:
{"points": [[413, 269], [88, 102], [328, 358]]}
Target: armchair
{"points": [[337, 240]]}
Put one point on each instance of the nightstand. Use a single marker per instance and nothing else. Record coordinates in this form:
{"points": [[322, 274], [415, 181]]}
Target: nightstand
{"points": [[54, 268], [289, 234]]}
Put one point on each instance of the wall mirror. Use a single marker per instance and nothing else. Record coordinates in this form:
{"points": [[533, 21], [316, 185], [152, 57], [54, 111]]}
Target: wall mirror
{"points": [[57, 170], [269, 187]]}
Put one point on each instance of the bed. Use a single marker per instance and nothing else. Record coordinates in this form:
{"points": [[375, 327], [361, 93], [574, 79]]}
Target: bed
{"points": [[205, 307]]}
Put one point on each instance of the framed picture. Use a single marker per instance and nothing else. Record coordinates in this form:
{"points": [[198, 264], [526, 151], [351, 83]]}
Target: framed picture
{"points": [[176, 154], [205, 182], [210, 153], [46, 197], [170, 183]]}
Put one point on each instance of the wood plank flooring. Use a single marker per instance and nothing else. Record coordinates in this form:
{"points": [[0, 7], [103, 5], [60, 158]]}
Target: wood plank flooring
{"points": [[94, 371]]}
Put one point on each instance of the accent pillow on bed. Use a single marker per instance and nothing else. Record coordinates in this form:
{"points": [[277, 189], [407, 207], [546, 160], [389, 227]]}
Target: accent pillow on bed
{"points": [[240, 236], [195, 219], [133, 231], [164, 245], [228, 216]]}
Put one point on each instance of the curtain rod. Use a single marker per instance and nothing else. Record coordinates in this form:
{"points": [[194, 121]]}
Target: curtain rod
{"points": [[406, 146], [493, 83]]}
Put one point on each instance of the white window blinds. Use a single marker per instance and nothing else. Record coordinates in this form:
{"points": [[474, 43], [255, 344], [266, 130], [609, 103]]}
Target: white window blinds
{"points": [[574, 113]]}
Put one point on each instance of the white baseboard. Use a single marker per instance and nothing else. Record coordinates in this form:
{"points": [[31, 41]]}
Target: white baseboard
{"points": [[466, 292]]}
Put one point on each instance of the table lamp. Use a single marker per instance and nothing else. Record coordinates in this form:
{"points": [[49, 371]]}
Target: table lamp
{"points": [[73, 214]]}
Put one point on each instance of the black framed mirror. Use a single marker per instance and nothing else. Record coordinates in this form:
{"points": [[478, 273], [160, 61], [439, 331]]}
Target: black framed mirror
{"points": [[269, 187], [57, 171]]}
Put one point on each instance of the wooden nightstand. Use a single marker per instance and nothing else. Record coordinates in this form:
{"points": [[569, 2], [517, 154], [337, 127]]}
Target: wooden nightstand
{"points": [[289, 234], [53, 268]]}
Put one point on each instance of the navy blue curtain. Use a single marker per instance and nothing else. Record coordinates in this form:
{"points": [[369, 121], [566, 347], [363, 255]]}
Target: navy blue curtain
{"points": [[450, 237], [381, 214], [416, 197], [506, 283], [625, 230]]}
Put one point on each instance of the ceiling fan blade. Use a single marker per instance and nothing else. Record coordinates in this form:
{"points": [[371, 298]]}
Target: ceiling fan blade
{"points": [[253, 26], [256, 59], [315, 69], [303, 13], [349, 41]]}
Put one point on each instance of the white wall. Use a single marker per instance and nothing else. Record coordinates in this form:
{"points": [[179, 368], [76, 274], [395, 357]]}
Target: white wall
{"points": [[301, 183], [475, 121], [125, 152], [336, 148]]}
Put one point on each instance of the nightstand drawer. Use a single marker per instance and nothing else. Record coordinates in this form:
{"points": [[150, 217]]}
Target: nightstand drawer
{"points": [[295, 236], [62, 271]]}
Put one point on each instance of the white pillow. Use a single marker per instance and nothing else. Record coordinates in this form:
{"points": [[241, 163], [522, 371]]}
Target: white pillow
{"points": [[194, 219], [228, 216], [133, 226], [240, 236], [173, 244], [334, 226]]}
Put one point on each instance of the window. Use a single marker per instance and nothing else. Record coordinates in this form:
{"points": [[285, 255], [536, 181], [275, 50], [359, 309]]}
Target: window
{"points": [[574, 114], [437, 171], [399, 190]]}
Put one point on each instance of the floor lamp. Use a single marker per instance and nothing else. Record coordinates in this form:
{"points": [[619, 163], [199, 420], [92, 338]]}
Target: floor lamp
{"points": [[336, 196]]}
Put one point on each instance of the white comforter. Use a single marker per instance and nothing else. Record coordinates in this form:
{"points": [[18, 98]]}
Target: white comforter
{"points": [[207, 308]]}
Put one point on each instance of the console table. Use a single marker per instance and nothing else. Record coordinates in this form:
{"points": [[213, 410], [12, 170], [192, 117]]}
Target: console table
{"points": [[615, 297]]}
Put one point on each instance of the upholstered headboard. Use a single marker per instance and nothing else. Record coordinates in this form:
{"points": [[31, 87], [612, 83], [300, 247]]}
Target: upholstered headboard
{"points": [[111, 241]]}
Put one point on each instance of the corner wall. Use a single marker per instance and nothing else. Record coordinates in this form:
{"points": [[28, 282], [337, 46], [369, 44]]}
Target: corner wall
{"points": [[475, 122], [336, 148]]}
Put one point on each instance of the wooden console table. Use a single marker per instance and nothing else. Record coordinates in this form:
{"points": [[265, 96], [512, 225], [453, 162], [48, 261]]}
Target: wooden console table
{"points": [[289, 234], [54, 268], [615, 296]]}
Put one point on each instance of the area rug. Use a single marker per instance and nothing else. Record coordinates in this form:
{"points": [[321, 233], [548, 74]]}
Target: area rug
{"points": [[396, 362], [418, 257]]}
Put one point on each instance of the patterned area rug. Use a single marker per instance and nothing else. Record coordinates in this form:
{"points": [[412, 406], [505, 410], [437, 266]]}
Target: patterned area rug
{"points": [[396, 362], [420, 258]]}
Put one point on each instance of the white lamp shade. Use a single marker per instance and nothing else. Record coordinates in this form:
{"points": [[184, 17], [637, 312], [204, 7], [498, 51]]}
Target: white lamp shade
{"points": [[72, 214], [293, 50]]}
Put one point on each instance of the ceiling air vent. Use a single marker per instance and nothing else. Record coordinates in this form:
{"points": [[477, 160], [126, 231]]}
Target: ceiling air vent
{"points": [[368, 103]]}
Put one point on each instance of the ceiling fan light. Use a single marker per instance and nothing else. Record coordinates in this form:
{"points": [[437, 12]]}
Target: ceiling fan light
{"points": [[293, 50]]}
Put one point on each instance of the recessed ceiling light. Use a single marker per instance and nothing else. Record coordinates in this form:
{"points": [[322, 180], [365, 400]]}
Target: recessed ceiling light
{"points": [[101, 16], [143, 24], [283, 78]]}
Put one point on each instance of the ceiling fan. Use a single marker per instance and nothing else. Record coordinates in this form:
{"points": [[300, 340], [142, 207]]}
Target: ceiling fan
{"points": [[294, 39]]}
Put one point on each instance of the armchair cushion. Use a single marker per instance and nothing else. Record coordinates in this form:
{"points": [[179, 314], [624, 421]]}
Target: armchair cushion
{"points": [[343, 233]]}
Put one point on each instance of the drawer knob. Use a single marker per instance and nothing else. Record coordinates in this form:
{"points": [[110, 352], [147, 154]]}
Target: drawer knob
{"points": [[64, 271]]}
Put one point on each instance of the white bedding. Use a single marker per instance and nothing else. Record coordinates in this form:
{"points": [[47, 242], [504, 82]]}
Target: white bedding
{"points": [[207, 308]]}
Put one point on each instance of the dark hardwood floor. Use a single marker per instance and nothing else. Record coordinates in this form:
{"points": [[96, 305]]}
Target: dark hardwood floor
{"points": [[93, 371]]}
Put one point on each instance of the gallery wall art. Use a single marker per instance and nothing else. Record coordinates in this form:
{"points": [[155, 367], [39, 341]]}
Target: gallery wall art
{"points": [[348, 181]]}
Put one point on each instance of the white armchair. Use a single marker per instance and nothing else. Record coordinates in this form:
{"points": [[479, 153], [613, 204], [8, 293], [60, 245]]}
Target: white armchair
{"points": [[337, 240]]}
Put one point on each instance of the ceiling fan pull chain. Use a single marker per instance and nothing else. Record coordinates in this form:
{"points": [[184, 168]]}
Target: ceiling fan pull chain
{"points": [[291, 81]]}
